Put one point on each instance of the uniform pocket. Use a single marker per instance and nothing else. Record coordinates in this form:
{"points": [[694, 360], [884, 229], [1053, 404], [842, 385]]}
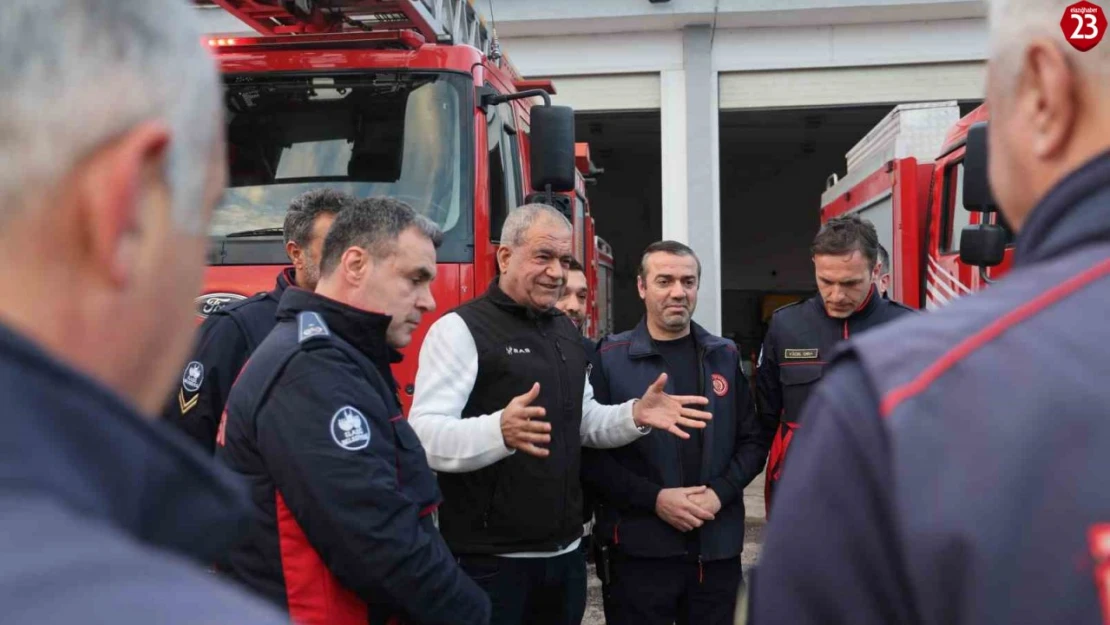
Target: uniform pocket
{"points": [[406, 437], [801, 373], [798, 380], [413, 473]]}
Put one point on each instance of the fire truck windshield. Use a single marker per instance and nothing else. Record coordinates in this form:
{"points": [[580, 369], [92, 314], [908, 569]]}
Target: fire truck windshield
{"points": [[404, 135]]}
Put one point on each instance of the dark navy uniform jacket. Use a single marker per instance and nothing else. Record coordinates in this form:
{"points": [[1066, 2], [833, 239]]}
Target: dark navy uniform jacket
{"points": [[953, 466], [106, 516], [799, 341], [224, 342], [343, 494], [626, 480]]}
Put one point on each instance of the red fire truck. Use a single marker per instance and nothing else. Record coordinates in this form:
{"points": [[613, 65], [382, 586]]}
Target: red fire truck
{"points": [[410, 99], [920, 176]]}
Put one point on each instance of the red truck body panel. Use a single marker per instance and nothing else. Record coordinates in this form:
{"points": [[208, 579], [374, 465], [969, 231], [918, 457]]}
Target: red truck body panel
{"points": [[922, 199], [330, 53]]}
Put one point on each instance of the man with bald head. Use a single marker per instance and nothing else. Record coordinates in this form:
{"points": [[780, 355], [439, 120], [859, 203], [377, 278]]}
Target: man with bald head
{"points": [[503, 407], [967, 448]]}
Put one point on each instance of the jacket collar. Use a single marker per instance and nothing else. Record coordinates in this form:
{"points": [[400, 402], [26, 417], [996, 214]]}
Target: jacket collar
{"points": [[285, 279], [106, 461], [642, 344], [504, 302], [363, 330], [868, 306], [1075, 212]]}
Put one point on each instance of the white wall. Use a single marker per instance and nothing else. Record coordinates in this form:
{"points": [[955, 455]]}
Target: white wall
{"points": [[519, 18]]}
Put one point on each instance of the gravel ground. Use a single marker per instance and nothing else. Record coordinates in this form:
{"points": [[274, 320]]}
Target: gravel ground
{"points": [[753, 543]]}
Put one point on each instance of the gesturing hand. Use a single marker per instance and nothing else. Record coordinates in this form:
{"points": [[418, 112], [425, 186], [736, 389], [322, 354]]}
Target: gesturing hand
{"points": [[519, 430], [666, 412], [674, 505]]}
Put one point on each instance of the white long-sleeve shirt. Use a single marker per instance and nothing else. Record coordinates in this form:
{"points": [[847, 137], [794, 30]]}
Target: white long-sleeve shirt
{"points": [[445, 376]]}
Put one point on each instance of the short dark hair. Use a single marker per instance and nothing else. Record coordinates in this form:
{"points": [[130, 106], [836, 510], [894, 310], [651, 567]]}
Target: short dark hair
{"points": [[373, 224], [846, 234], [670, 247], [575, 265], [884, 258], [304, 209]]}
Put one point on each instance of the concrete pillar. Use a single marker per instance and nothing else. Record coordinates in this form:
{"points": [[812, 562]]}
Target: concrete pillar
{"points": [[672, 96], [691, 165]]}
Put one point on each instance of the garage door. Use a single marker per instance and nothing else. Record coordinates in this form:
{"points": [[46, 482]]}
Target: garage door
{"points": [[619, 92], [852, 86]]}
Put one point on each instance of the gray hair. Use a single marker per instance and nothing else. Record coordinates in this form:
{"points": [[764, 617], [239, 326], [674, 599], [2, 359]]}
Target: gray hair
{"points": [[373, 224], [306, 207], [884, 260], [1014, 23], [76, 74], [522, 218]]}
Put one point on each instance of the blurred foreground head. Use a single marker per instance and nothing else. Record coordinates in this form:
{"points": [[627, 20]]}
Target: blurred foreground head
{"points": [[1049, 102], [111, 160]]}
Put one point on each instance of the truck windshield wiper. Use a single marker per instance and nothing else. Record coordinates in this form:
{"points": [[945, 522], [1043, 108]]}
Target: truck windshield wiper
{"points": [[261, 232]]}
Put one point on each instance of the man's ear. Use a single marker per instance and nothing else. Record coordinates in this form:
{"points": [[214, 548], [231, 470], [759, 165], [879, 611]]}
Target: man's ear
{"points": [[641, 287], [115, 184], [1053, 97], [354, 264], [295, 254], [503, 256]]}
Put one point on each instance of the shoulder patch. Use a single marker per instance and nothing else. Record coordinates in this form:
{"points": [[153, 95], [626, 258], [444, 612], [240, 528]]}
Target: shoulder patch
{"points": [[193, 376], [350, 429], [191, 380], [311, 325]]}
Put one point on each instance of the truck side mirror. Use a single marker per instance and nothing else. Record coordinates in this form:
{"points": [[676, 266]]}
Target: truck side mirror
{"points": [[552, 148], [977, 188], [982, 245]]}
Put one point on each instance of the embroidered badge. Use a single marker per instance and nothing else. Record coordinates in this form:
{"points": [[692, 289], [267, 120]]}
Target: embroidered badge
{"points": [[193, 377], [350, 429], [720, 385], [804, 354], [311, 325]]}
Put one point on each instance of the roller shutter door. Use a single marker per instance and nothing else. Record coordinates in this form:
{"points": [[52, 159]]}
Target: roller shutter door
{"points": [[849, 86], [616, 92]]}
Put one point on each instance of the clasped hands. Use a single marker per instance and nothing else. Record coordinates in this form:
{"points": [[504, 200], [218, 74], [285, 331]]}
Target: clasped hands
{"points": [[687, 508]]}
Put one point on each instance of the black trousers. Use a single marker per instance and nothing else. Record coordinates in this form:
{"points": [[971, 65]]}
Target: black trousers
{"points": [[662, 591], [533, 591]]}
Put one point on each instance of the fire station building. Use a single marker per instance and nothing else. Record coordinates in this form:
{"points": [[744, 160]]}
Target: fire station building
{"points": [[719, 122]]}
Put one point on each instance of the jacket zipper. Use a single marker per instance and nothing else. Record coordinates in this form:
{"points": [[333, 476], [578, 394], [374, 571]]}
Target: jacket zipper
{"points": [[701, 391], [563, 392]]}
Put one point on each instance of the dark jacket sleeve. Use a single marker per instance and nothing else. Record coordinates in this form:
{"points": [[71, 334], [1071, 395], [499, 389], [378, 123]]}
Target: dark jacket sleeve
{"points": [[602, 475], [768, 387], [89, 571], [751, 447], [348, 502], [222, 350], [831, 554]]}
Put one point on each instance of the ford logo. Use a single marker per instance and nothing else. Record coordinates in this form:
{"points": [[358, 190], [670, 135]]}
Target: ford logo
{"points": [[211, 302]]}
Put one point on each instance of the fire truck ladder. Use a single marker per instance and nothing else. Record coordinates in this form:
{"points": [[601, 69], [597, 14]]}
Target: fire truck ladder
{"points": [[439, 21]]}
